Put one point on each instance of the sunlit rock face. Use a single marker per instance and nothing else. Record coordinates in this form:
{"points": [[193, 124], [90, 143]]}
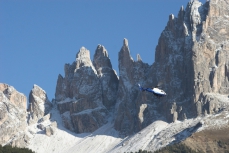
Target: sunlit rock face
{"points": [[191, 65], [12, 116], [16, 98], [210, 57], [214, 49], [39, 104], [193, 55]]}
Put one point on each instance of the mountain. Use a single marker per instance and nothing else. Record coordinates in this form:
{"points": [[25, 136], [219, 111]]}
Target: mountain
{"points": [[95, 110], [87, 91], [190, 62]]}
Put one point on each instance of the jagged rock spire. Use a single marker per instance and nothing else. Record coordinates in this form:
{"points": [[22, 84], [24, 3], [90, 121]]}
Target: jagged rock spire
{"points": [[101, 58], [107, 75], [125, 42], [124, 58], [83, 58], [181, 15], [39, 104], [139, 58]]}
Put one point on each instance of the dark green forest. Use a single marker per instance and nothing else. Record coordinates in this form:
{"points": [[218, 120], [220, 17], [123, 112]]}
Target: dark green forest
{"points": [[10, 149]]}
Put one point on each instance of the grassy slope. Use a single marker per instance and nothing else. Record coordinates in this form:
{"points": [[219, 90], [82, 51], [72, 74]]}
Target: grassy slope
{"points": [[210, 140]]}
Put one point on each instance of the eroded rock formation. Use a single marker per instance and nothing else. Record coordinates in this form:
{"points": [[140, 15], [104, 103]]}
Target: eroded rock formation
{"points": [[87, 91], [12, 116], [39, 104], [191, 65]]}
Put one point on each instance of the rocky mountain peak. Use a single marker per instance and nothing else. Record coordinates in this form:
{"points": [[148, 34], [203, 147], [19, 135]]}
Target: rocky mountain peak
{"points": [[87, 91], [171, 17], [39, 104], [125, 42], [125, 49], [83, 59], [124, 58], [181, 9], [83, 53], [101, 50], [108, 78], [139, 58], [38, 91], [101, 58], [181, 15], [13, 95]]}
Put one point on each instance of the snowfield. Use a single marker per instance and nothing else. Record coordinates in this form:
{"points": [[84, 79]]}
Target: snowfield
{"points": [[106, 139]]}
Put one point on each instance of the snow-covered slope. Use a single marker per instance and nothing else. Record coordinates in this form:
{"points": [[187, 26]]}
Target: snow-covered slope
{"points": [[106, 139], [63, 140]]}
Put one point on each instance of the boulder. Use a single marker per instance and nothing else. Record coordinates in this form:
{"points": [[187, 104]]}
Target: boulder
{"points": [[49, 130]]}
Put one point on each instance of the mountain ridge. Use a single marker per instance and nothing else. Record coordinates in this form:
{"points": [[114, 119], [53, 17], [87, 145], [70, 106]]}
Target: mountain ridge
{"points": [[93, 103]]}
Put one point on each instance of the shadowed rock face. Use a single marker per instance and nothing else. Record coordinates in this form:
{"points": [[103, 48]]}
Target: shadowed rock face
{"points": [[128, 106], [12, 115], [87, 90], [108, 77]]}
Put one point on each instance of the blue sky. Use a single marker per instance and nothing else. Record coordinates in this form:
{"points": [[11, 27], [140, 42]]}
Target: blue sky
{"points": [[37, 37]]}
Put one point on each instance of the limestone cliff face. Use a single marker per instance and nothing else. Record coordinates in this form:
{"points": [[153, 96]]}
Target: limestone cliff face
{"points": [[108, 77], [39, 104], [173, 70], [87, 91], [131, 73], [191, 66], [174, 66], [193, 55], [211, 56], [12, 116], [14, 119]]}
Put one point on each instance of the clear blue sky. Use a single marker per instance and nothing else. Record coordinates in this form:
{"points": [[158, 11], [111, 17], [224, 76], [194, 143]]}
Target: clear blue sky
{"points": [[37, 37]]}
